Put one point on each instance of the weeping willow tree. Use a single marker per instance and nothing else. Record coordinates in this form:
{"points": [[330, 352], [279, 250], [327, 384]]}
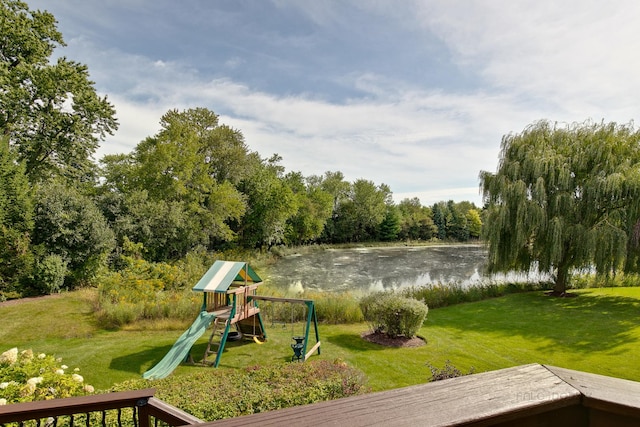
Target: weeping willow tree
{"points": [[565, 198]]}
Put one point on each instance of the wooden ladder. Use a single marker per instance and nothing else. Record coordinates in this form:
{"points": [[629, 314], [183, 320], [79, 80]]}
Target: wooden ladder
{"points": [[213, 347]]}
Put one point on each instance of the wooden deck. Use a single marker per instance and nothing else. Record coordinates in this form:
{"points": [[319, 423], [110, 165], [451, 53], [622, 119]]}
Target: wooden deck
{"points": [[528, 395]]}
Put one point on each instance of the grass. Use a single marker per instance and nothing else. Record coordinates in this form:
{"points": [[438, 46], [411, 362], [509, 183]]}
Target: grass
{"points": [[596, 332]]}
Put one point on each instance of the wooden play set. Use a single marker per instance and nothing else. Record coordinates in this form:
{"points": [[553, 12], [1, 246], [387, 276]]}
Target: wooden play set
{"points": [[230, 301]]}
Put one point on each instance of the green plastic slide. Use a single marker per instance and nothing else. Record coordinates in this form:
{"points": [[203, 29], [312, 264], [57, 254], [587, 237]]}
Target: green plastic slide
{"points": [[181, 348]]}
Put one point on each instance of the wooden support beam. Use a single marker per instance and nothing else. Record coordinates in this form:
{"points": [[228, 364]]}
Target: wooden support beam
{"points": [[314, 348], [279, 299]]}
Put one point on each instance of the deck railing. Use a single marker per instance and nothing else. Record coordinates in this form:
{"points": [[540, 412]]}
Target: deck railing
{"points": [[520, 396], [128, 408]]}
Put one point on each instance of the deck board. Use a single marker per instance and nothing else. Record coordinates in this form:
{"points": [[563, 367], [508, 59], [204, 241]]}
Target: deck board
{"points": [[486, 398], [604, 393]]}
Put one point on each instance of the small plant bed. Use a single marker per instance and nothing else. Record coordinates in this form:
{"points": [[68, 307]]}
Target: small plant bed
{"points": [[400, 341]]}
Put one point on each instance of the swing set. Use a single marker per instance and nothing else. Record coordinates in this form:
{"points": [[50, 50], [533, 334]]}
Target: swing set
{"points": [[230, 298], [301, 341]]}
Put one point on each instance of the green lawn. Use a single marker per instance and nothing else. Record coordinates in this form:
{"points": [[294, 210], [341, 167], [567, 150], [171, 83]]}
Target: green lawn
{"points": [[599, 332]]}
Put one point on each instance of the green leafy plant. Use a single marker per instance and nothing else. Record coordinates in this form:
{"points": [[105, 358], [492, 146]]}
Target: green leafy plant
{"points": [[442, 295], [393, 314], [145, 290], [447, 371], [235, 392]]}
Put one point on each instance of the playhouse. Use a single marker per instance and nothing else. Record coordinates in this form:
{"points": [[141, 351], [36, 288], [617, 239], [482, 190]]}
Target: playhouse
{"points": [[230, 302], [228, 288]]}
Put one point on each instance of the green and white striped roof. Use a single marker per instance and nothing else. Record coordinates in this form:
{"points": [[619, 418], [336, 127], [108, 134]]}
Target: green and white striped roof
{"points": [[223, 273]]}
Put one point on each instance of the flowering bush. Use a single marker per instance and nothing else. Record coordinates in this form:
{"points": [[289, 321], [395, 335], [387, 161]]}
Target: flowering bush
{"points": [[25, 377]]}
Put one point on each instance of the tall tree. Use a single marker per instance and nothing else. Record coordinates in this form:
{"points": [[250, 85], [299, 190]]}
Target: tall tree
{"points": [[68, 224], [314, 209], [369, 208], [270, 204], [390, 225], [16, 223], [457, 227], [474, 222], [440, 216], [564, 197], [50, 112], [416, 221], [186, 174]]}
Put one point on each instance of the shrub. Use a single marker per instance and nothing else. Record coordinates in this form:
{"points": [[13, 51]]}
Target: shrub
{"points": [[234, 392], [49, 274], [144, 290], [26, 377], [393, 314], [447, 371]]}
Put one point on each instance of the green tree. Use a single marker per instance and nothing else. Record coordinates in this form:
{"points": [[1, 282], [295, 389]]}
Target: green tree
{"points": [[160, 226], [68, 224], [474, 222], [416, 221], [334, 184], [564, 197], [314, 209], [457, 227], [440, 215], [50, 112], [271, 203], [390, 225], [184, 183], [358, 215], [370, 207], [16, 223]]}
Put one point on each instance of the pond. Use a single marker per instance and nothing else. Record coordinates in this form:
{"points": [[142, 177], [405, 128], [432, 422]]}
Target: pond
{"points": [[364, 270]]}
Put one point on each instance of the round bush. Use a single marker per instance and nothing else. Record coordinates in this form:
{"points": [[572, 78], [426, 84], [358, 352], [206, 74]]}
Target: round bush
{"points": [[393, 314]]}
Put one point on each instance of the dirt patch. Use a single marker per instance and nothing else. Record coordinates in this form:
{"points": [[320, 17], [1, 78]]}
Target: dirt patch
{"points": [[560, 294], [17, 301], [386, 340]]}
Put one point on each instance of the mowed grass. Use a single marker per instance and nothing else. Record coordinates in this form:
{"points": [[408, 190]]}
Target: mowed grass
{"points": [[598, 331]]}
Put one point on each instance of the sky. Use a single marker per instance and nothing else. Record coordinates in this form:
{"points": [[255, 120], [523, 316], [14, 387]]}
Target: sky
{"points": [[415, 94]]}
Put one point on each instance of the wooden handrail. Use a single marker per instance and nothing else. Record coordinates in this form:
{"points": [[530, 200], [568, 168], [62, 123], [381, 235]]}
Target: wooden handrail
{"points": [[523, 395], [170, 414], [143, 400]]}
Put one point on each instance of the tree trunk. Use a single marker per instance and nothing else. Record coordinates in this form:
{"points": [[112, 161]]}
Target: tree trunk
{"points": [[560, 286]]}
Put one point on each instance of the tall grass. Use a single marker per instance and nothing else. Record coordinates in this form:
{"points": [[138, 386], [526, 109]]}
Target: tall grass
{"points": [[145, 290], [439, 295], [583, 281], [331, 308]]}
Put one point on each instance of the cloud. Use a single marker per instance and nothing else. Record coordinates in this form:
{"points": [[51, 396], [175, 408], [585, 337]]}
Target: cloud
{"points": [[411, 140], [573, 57], [416, 95]]}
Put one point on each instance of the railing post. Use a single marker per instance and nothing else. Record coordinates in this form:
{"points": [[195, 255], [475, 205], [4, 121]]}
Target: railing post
{"points": [[144, 417]]}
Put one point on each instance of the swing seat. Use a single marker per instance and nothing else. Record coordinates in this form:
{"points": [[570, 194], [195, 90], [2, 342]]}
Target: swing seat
{"points": [[234, 336], [257, 341]]}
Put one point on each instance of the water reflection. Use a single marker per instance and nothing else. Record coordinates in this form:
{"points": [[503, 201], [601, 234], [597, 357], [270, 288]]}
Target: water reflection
{"points": [[373, 269]]}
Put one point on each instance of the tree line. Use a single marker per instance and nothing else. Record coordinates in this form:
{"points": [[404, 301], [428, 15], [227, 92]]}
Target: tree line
{"points": [[194, 185]]}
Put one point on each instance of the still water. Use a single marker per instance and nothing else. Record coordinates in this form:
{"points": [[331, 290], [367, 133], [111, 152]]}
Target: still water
{"points": [[364, 270]]}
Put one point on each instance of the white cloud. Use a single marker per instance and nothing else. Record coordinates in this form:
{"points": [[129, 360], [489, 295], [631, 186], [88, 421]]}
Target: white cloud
{"points": [[429, 198], [574, 57], [525, 61], [413, 139]]}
